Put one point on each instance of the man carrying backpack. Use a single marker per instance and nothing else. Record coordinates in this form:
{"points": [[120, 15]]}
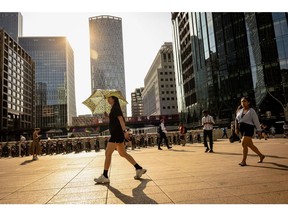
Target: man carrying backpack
{"points": [[162, 132]]}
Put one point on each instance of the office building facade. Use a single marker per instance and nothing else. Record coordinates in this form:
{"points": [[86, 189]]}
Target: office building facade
{"points": [[159, 94], [106, 54], [12, 23], [220, 57], [55, 85], [137, 102], [17, 89]]}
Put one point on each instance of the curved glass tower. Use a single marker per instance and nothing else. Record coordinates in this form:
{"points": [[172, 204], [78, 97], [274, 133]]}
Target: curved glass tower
{"points": [[106, 54]]}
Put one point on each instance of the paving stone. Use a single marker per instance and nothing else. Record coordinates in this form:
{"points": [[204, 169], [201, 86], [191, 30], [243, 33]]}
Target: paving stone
{"points": [[183, 175]]}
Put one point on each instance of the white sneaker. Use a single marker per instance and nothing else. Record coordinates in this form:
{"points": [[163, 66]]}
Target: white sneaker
{"points": [[139, 173], [102, 179]]}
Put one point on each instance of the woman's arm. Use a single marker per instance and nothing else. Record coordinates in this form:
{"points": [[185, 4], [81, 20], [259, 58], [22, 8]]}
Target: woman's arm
{"points": [[255, 120], [122, 123]]}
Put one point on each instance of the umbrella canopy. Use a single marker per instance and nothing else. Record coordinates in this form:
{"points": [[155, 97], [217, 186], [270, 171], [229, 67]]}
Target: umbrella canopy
{"points": [[97, 102]]}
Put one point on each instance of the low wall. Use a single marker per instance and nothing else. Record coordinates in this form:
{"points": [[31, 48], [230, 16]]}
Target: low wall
{"points": [[217, 134]]}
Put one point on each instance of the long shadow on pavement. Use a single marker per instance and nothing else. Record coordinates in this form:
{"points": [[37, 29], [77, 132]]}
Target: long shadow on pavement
{"points": [[177, 150], [138, 196], [278, 166], [27, 162], [253, 155]]}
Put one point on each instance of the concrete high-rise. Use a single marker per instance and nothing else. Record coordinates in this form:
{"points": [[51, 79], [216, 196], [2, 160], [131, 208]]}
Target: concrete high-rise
{"points": [[159, 94], [106, 54], [54, 77], [220, 57], [137, 102], [17, 89], [12, 23]]}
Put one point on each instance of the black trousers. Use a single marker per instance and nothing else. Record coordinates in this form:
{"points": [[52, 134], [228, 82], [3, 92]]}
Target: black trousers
{"points": [[163, 136], [209, 134]]}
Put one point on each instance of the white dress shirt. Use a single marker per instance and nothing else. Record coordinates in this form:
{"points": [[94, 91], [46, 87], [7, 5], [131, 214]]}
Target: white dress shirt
{"points": [[163, 128], [208, 119], [250, 117]]}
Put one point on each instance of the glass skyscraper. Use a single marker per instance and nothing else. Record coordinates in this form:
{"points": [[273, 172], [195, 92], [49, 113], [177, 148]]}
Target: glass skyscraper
{"points": [[220, 57], [12, 23], [17, 89], [106, 54], [55, 86]]}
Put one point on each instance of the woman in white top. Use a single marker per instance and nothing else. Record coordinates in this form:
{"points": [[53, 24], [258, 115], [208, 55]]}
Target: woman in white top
{"points": [[245, 122]]}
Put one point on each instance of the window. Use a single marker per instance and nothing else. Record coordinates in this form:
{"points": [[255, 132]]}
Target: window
{"points": [[171, 79], [171, 85], [168, 98], [164, 107], [168, 107], [163, 99], [162, 86]]}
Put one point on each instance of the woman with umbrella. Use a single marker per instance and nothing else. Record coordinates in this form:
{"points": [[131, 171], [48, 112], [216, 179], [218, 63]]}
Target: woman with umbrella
{"points": [[118, 135]]}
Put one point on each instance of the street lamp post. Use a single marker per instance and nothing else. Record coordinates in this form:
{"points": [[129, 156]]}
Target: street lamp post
{"points": [[284, 106]]}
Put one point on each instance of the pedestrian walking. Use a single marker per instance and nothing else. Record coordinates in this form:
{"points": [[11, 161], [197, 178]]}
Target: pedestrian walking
{"points": [[208, 122], [273, 130], [162, 132], [182, 134], [35, 147], [224, 132], [118, 133], [22, 141], [245, 122], [265, 131], [285, 129]]}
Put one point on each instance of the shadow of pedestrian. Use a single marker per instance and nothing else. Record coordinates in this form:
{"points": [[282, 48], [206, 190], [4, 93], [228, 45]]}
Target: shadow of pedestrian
{"points": [[26, 162], [277, 166], [252, 155], [138, 196], [180, 150]]}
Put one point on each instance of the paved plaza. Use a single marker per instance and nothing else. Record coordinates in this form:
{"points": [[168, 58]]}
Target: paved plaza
{"points": [[181, 175]]}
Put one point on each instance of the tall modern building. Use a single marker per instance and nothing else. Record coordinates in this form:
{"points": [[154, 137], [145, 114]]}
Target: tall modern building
{"points": [[159, 94], [106, 54], [137, 102], [220, 57], [17, 89], [55, 85], [12, 23]]}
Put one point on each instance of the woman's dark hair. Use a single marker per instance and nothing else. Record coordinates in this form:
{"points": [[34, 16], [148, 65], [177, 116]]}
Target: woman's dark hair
{"points": [[116, 103], [240, 106]]}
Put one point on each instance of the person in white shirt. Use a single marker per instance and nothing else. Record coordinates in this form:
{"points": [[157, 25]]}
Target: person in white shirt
{"points": [[22, 141], [245, 122], [162, 132], [208, 122]]}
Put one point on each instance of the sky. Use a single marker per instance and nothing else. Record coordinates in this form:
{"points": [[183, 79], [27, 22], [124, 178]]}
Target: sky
{"points": [[143, 35], [146, 25]]}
